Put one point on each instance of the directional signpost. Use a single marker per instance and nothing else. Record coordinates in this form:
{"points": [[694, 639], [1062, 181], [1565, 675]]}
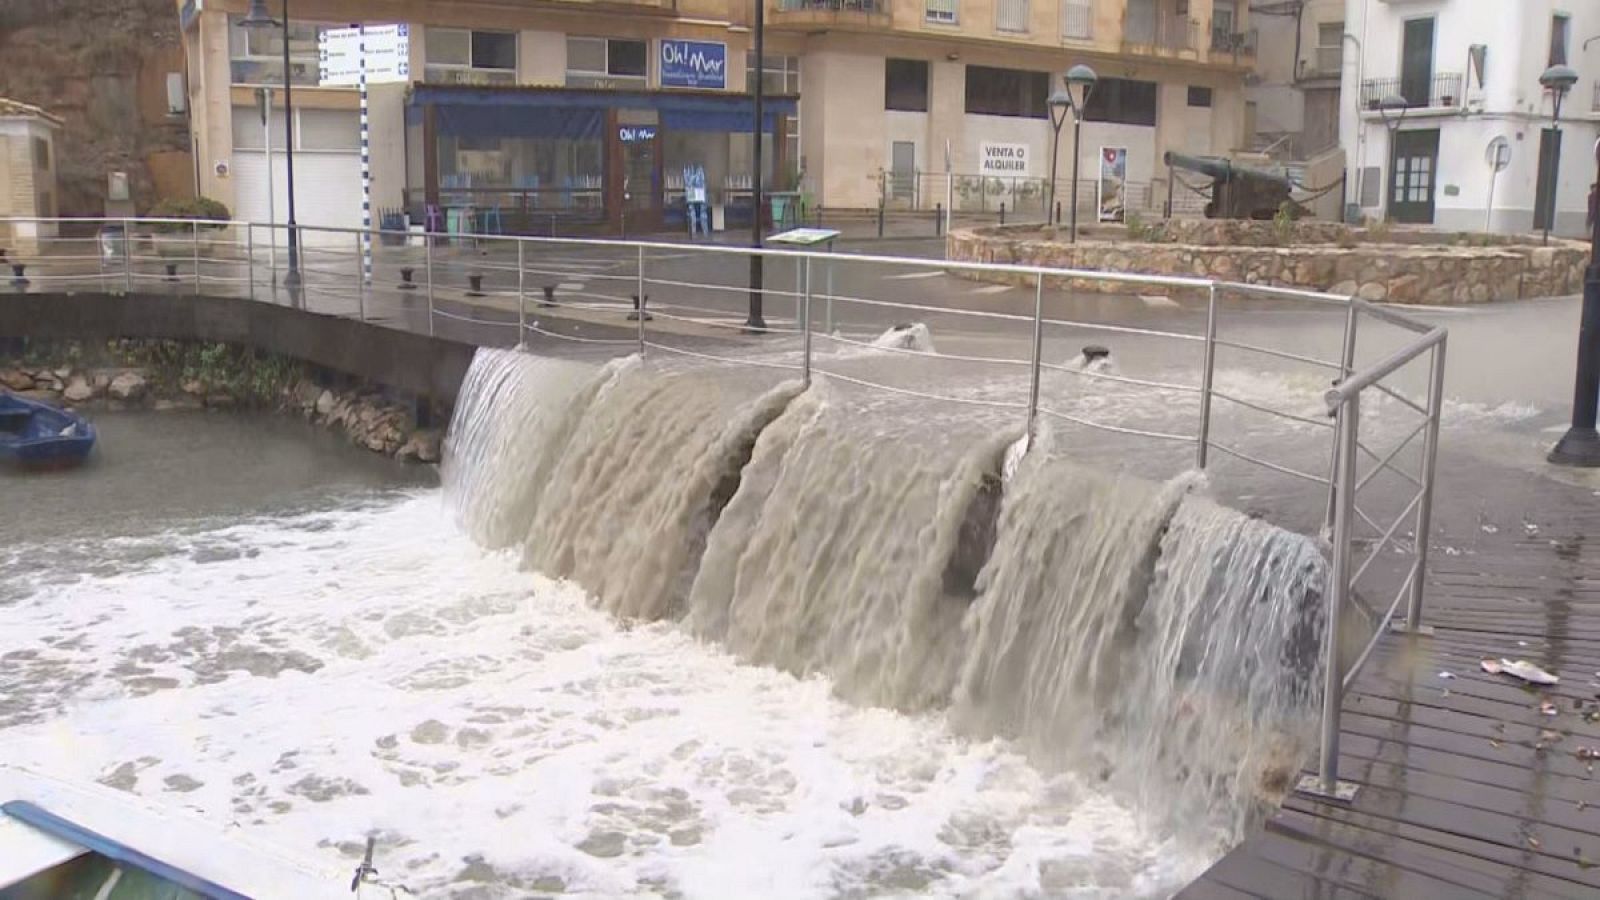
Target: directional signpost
{"points": [[361, 55]]}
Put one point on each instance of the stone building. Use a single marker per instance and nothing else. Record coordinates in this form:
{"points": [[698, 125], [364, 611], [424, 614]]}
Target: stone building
{"points": [[28, 162]]}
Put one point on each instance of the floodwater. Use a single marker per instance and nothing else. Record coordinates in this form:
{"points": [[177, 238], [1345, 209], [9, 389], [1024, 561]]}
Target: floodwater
{"points": [[246, 621]]}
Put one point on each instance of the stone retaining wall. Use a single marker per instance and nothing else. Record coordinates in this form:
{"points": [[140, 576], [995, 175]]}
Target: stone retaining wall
{"points": [[1332, 258]]}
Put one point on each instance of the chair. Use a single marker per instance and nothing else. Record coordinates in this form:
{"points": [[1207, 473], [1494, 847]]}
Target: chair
{"points": [[492, 223], [434, 222]]}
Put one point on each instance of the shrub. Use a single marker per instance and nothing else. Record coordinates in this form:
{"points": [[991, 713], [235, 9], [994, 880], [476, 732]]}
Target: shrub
{"points": [[201, 209]]}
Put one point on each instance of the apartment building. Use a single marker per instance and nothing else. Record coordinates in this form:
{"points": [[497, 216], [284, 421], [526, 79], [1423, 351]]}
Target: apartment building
{"points": [[1468, 72], [1292, 101], [525, 115]]}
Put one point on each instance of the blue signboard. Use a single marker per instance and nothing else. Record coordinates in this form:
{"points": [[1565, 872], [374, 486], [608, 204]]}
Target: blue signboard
{"points": [[694, 64]]}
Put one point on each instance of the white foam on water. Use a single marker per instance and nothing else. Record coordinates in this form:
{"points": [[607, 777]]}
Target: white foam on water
{"points": [[309, 679]]}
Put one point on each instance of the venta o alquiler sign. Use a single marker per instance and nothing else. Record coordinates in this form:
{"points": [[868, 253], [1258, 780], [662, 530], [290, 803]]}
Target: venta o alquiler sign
{"points": [[1002, 159]]}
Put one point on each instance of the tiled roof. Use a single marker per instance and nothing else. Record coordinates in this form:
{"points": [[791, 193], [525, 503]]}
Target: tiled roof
{"points": [[17, 109]]}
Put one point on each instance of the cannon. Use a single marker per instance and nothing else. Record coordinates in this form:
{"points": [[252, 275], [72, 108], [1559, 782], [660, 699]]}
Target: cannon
{"points": [[1238, 192]]}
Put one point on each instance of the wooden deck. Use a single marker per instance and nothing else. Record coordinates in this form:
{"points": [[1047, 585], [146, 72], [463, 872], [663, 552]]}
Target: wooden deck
{"points": [[1469, 785]]}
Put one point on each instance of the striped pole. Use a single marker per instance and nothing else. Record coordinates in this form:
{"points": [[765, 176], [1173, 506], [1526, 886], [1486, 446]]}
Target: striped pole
{"points": [[366, 164]]}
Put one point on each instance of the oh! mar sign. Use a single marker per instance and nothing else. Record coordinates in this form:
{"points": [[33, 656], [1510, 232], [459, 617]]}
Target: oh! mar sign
{"points": [[1002, 159], [694, 64]]}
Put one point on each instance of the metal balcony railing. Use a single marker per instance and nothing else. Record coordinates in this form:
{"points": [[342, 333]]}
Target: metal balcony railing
{"points": [[1442, 90], [1011, 15], [1238, 43], [1143, 34], [1077, 20], [865, 7], [1596, 105]]}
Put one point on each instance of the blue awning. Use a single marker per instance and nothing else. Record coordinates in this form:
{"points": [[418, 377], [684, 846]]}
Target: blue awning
{"points": [[567, 112]]}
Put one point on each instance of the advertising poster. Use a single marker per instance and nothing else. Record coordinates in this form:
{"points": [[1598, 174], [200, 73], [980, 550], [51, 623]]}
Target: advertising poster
{"points": [[1113, 183]]}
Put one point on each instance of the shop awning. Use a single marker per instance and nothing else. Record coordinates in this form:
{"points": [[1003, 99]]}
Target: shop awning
{"points": [[463, 111]]}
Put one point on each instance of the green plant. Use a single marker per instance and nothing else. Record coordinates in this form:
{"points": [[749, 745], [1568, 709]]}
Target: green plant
{"points": [[1378, 231], [199, 209], [1144, 232], [1283, 224]]}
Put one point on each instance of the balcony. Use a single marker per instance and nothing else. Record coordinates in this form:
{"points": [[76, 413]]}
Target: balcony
{"points": [[437, 74], [1442, 90], [1077, 20], [1239, 44], [1159, 36], [835, 13]]}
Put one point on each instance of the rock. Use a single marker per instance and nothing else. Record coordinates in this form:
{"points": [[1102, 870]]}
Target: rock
{"points": [[42, 396], [194, 387], [1405, 289], [78, 390], [127, 386], [62, 374], [325, 402], [423, 446], [1343, 288], [100, 381], [305, 395], [1373, 291], [16, 379], [220, 400], [182, 402]]}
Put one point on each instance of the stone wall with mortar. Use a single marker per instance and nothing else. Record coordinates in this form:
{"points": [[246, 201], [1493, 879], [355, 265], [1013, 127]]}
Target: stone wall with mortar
{"points": [[1381, 265]]}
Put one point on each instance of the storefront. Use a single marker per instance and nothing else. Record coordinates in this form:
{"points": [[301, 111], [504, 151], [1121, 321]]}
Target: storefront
{"points": [[524, 160]]}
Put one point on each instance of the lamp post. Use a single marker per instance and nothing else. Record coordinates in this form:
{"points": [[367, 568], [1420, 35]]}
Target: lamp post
{"points": [[1580, 446], [1392, 109], [755, 322], [1558, 80], [1060, 102], [1080, 81], [257, 17]]}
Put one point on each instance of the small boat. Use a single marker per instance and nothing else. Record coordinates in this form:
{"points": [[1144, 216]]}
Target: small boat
{"points": [[66, 840], [38, 434]]}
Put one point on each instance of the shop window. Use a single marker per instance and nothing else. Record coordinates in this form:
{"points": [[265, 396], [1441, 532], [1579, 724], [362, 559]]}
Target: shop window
{"points": [[463, 56], [781, 74], [1008, 92], [255, 55], [607, 62], [1124, 101], [1199, 96], [905, 85]]}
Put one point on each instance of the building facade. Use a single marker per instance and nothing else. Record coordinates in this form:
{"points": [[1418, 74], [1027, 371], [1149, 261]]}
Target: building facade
{"points": [[1293, 100], [28, 163], [592, 113], [1468, 72]]}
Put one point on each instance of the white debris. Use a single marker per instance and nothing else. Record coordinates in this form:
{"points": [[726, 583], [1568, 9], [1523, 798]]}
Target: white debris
{"points": [[911, 336], [1521, 668]]}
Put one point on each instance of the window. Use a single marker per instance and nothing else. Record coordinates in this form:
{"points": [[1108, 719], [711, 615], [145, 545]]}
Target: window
{"points": [[1560, 29], [1122, 100], [1011, 15], [943, 12], [1199, 96], [1330, 46], [255, 55], [905, 84], [460, 56], [314, 129], [41, 154], [607, 62], [1007, 92], [781, 74]]}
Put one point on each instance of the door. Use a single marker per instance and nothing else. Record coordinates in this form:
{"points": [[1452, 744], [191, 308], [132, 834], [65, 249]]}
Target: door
{"points": [[327, 191], [1412, 174], [903, 170], [641, 178], [1416, 62], [1545, 195]]}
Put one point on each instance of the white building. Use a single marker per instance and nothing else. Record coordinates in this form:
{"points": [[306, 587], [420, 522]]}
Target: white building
{"points": [[1469, 73]]}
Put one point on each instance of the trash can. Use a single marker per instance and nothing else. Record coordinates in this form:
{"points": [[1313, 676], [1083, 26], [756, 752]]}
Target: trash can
{"points": [[113, 240]]}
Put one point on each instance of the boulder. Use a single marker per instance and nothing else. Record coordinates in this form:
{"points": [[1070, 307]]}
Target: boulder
{"points": [[78, 389], [325, 403], [220, 400], [1343, 288], [194, 387], [423, 446], [16, 379], [306, 395], [1373, 291], [128, 386]]}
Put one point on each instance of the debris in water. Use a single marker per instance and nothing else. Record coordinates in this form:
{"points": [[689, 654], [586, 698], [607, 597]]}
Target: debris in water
{"points": [[1548, 708], [1447, 675], [907, 336], [1490, 529], [1586, 754], [1550, 737], [1530, 527], [1521, 668], [1451, 551], [1533, 842]]}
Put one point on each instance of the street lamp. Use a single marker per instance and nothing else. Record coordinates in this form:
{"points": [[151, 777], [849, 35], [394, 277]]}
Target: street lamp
{"points": [[1392, 109], [1060, 102], [257, 17], [1558, 80], [1580, 446], [1080, 81], [755, 323]]}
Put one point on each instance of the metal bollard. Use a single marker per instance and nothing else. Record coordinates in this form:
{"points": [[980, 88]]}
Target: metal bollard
{"points": [[638, 309], [1002, 212], [880, 217], [476, 282], [18, 277], [407, 273], [549, 295], [938, 219], [172, 272]]}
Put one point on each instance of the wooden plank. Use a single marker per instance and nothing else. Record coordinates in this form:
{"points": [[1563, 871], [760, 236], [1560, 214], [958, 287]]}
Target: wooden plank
{"points": [[1384, 876], [1205, 888], [1247, 872]]}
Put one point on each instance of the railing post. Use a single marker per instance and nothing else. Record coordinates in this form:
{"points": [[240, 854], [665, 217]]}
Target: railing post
{"points": [[1038, 344], [640, 271], [127, 254], [1430, 450], [522, 298], [1207, 377], [1347, 362], [361, 277], [250, 258], [194, 240], [805, 325], [427, 255], [1326, 782]]}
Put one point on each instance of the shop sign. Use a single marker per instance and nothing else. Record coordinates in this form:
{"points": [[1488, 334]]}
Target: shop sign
{"points": [[694, 64], [636, 134], [1002, 159]]}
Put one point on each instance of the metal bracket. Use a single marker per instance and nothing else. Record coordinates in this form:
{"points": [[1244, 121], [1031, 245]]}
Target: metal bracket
{"points": [[1311, 785]]}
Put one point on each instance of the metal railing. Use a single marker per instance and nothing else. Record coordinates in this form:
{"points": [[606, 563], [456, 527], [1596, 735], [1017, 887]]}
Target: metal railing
{"points": [[1146, 31], [867, 7], [1595, 105], [1442, 90], [596, 292], [1077, 20], [1011, 15]]}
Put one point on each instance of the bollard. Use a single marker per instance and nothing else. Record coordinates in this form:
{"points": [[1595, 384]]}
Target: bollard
{"points": [[476, 282], [938, 219], [172, 272], [1092, 352], [549, 295], [1002, 212], [880, 217], [406, 274], [2, 255], [638, 309], [17, 277]]}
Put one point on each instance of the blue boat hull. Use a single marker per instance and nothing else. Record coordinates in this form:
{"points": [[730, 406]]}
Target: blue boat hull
{"points": [[37, 434]]}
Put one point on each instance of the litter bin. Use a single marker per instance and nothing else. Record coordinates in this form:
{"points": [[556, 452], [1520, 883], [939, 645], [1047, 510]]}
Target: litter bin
{"points": [[113, 240]]}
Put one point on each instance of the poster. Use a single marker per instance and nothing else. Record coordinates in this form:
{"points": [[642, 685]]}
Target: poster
{"points": [[1002, 159], [1113, 183]]}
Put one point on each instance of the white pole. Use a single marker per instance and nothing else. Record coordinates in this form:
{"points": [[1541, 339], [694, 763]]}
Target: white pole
{"points": [[272, 203], [366, 162], [1488, 213]]}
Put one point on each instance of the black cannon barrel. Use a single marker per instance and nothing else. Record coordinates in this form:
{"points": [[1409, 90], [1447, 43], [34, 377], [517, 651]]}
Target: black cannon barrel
{"points": [[1218, 167]]}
